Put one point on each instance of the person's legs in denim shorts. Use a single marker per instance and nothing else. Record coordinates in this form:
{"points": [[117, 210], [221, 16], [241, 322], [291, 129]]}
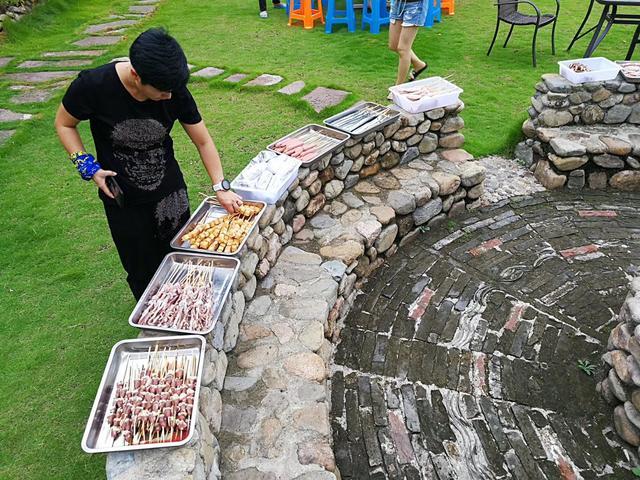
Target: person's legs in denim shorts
{"points": [[405, 18]]}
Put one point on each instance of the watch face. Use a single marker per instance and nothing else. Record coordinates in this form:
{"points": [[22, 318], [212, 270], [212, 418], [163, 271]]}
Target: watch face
{"points": [[226, 185]]}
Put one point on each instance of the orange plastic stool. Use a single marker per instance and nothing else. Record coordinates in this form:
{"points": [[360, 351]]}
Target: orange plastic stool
{"points": [[307, 13], [449, 6]]}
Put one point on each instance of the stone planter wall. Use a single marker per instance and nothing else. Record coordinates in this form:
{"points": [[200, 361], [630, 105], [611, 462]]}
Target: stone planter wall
{"points": [[621, 385], [428, 189], [585, 135]]}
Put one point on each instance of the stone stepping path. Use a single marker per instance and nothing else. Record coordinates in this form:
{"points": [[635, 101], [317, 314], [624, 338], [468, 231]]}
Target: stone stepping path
{"points": [[10, 116], [39, 77], [5, 135], [74, 53], [459, 361], [33, 96], [54, 63], [319, 99], [101, 34], [98, 41], [292, 88], [144, 9], [208, 72], [264, 80], [236, 77], [119, 31], [322, 98], [106, 27]]}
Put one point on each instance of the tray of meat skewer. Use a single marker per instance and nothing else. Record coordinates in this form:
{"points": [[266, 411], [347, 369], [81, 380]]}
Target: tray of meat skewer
{"points": [[310, 143], [363, 119], [424, 95], [212, 230], [186, 294], [148, 396], [630, 71]]}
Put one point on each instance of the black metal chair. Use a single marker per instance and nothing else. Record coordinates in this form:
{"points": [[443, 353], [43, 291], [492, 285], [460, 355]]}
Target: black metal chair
{"points": [[508, 13]]}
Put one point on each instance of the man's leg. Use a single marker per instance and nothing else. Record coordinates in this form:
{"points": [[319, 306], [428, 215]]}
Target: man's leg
{"points": [[134, 234], [263, 5]]}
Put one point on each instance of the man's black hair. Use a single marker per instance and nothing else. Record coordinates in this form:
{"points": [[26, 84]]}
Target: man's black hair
{"points": [[159, 60]]}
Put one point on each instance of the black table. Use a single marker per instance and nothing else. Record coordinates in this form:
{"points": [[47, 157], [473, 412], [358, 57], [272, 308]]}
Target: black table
{"points": [[611, 16]]}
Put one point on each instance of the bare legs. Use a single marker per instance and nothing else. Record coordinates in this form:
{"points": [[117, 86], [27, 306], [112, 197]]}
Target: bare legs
{"points": [[401, 41]]}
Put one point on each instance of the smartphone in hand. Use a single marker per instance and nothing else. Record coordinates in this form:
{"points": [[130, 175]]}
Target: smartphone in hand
{"points": [[116, 191]]}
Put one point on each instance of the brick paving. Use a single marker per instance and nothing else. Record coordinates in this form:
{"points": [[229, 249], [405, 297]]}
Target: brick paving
{"points": [[459, 360]]}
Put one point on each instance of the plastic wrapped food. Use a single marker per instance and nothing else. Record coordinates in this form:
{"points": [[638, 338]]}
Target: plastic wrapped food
{"points": [[267, 171]]}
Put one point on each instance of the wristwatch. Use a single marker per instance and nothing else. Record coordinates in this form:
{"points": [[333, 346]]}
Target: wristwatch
{"points": [[223, 185]]}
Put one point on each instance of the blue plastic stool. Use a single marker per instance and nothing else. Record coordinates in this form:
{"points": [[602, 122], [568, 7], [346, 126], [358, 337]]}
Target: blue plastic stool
{"points": [[377, 16], [334, 16], [434, 13]]}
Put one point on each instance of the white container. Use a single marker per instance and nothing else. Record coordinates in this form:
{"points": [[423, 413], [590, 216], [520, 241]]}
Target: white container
{"points": [[600, 69], [272, 194], [449, 95]]}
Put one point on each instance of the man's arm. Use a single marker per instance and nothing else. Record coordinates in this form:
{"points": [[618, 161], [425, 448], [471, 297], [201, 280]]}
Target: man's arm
{"points": [[66, 126], [200, 137]]}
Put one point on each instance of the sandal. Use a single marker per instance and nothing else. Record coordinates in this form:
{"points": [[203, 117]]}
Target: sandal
{"points": [[415, 74]]}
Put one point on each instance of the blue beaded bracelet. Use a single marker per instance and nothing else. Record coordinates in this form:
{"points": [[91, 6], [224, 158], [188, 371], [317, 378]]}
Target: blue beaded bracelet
{"points": [[86, 164]]}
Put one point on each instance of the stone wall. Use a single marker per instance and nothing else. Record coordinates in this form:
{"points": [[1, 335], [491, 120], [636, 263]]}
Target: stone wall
{"points": [[583, 135], [16, 11], [621, 385], [447, 184]]}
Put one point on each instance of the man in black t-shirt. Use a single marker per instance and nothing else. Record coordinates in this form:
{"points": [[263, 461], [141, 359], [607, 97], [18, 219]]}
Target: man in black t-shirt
{"points": [[131, 107]]}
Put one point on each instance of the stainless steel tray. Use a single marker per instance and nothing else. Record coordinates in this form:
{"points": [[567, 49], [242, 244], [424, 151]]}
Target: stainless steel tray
{"points": [[209, 210], [392, 117], [622, 63], [224, 273], [127, 354], [341, 138]]}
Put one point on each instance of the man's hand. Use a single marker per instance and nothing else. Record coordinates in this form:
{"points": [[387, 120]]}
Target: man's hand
{"points": [[100, 178], [231, 201]]}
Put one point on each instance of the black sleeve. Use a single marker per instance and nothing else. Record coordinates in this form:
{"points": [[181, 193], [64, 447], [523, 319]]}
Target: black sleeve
{"points": [[79, 98], [186, 108]]}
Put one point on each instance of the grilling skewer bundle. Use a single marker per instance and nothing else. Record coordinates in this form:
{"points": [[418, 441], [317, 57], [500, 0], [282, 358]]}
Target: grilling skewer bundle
{"points": [[153, 403], [224, 234], [184, 301], [305, 146], [364, 119]]}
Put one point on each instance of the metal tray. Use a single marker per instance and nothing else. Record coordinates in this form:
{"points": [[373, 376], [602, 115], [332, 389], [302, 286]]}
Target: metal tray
{"points": [[96, 438], [209, 210], [225, 271], [627, 79], [392, 117], [329, 132]]}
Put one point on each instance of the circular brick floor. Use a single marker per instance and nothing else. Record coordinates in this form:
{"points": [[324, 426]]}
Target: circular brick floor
{"points": [[459, 360]]}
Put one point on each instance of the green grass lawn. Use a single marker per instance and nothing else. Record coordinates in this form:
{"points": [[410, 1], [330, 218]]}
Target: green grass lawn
{"points": [[63, 298]]}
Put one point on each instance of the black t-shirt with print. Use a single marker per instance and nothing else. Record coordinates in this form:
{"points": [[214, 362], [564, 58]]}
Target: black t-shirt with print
{"points": [[132, 138]]}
